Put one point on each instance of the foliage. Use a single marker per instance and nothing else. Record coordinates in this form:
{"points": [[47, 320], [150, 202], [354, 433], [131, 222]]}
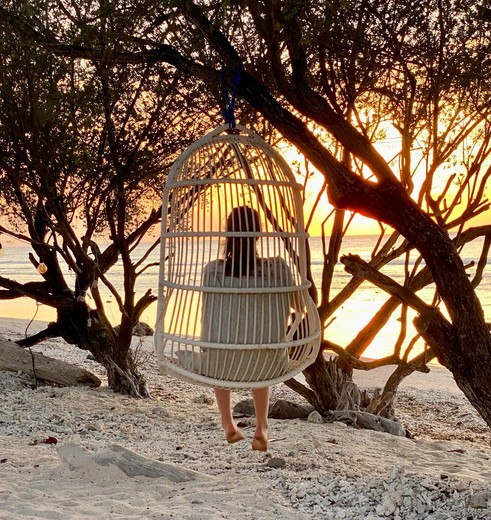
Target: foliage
{"points": [[332, 78], [356, 72], [86, 147]]}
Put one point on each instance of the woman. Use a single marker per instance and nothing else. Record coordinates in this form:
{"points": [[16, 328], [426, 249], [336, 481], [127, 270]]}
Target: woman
{"points": [[245, 318]]}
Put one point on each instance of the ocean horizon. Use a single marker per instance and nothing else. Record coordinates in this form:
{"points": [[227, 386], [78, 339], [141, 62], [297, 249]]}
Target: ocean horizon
{"points": [[346, 323]]}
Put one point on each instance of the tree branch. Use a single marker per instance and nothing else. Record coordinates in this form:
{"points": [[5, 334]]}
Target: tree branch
{"points": [[301, 389], [35, 290], [356, 266], [51, 331], [431, 324]]}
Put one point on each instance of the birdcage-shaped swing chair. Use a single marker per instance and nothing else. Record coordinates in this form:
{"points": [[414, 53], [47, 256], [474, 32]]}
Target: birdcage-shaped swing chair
{"points": [[234, 308]]}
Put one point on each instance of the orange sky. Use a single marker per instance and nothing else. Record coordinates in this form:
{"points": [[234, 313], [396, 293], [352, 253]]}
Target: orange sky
{"points": [[362, 225]]}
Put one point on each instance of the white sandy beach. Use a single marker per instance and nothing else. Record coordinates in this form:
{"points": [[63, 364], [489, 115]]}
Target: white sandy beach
{"points": [[311, 470]]}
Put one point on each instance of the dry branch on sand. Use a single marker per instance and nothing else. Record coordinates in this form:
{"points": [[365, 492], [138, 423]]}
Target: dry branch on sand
{"points": [[43, 368]]}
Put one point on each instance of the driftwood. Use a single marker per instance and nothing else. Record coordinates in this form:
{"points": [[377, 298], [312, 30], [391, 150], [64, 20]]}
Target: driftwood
{"points": [[280, 409], [129, 462], [368, 421], [356, 418], [49, 370], [286, 410]]}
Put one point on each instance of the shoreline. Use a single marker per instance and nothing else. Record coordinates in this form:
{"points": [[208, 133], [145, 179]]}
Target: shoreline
{"points": [[310, 471]]}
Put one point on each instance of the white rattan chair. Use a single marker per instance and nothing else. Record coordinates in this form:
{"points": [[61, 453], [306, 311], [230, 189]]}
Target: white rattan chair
{"points": [[232, 323]]}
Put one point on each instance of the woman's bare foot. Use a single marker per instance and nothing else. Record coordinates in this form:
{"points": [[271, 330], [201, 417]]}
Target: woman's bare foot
{"points": [[260, 443], [234, 436]]}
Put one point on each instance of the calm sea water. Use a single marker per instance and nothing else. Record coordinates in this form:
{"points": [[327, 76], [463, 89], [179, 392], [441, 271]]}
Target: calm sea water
{"points": [[348, 320]]}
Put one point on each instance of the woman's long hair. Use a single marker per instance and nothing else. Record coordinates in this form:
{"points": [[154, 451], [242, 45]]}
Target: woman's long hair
{"points": [[240, 252]]}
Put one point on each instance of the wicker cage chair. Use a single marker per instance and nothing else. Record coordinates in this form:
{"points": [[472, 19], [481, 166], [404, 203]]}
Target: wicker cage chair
{"points": [[234, 309]]}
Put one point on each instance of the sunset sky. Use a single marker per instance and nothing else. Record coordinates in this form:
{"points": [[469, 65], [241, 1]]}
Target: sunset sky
{"points": [[361, 225]]}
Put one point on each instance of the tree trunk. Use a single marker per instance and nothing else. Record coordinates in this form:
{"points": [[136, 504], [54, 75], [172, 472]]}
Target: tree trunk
{"points": [[79, 325], [330, 388], [318, 378], [124, 377], [463, 344]]}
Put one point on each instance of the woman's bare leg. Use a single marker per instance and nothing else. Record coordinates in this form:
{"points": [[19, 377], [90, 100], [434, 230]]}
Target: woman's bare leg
{"points": [[261, 406], [224, 402]]}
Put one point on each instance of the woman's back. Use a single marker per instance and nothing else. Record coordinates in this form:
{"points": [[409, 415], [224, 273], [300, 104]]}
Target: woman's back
{"points": [[236, 317], [250, 313]]}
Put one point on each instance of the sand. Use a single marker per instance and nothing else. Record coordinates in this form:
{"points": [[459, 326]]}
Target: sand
{"points": [[60, 449]]}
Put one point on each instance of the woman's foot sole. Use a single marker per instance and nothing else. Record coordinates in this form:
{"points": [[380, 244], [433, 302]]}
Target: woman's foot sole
{"points": [[234, 437], [260, 444]]}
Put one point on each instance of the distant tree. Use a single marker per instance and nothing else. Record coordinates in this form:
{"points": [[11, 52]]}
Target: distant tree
{"points": [[85, 147], [324, 74]]}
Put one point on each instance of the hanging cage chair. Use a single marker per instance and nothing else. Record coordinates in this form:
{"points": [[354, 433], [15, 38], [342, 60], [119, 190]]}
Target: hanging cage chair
{"points": [[234, 309]]}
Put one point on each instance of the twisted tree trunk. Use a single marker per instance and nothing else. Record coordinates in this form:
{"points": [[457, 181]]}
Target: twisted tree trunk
{"points": [[78, 325]]}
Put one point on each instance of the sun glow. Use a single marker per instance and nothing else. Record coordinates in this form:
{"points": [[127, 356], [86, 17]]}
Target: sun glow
{"points": [[318, 210], [444, 183]]}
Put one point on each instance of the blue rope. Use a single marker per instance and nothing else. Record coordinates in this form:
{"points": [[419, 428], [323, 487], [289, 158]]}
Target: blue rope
{"points": [[228, 114]]}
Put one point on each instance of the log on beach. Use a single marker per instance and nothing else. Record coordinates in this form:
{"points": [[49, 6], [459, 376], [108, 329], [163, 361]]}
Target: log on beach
{"points": [[49, 370], [368, 421]]}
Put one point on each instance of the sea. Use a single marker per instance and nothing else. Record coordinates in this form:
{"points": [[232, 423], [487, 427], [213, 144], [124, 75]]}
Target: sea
{"points": [[342, 327]]}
